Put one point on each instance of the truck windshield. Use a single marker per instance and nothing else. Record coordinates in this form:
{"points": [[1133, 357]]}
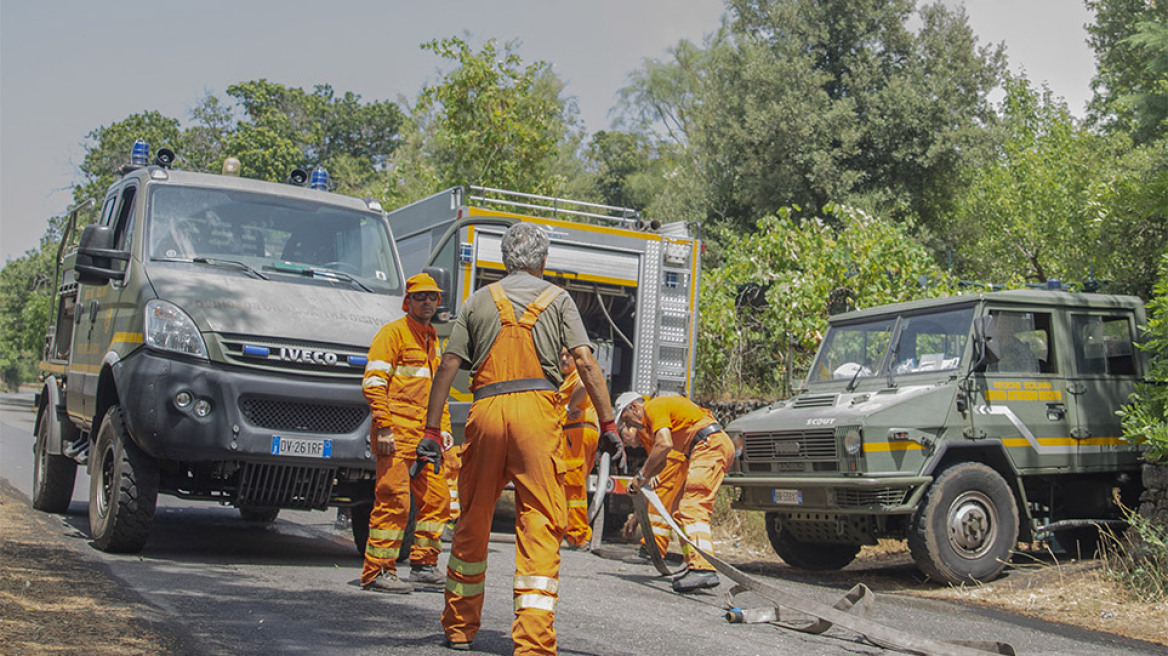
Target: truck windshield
{"points": [[927, 342], [271, 234]]}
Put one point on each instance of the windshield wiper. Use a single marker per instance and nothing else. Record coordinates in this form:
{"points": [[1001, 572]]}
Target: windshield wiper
{"points": [[229, 264], [313, 272]]}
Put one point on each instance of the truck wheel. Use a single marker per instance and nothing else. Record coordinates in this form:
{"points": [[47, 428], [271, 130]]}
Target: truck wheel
{"points": [[123, 488], [53, 476], [259, 514], [815, 556], [967, 526]]}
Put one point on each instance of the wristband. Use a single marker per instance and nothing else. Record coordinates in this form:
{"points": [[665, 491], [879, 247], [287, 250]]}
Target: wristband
{"points": [[433, 433], [607, 426]]}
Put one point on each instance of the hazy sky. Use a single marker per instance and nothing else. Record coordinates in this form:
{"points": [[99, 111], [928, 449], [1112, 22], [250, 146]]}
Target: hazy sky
{"points": [[69, 66]]}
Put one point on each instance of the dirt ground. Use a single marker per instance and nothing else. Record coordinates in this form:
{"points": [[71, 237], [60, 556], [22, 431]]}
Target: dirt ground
{"points": [[52, 603]]}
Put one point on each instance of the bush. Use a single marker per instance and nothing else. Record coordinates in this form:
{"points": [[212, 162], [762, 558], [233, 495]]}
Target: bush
{"points": [[1145, 419]]}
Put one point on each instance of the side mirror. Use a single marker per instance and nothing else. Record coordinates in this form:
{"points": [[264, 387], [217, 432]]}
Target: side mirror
{"points": [[95, 257], [445, 283]]}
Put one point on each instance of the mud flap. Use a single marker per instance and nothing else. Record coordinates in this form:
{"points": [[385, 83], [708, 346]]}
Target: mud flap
{"points": [[857, 602]]}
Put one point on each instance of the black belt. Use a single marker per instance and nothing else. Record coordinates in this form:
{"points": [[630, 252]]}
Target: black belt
{"points": [[702, 435], [513, 386], [581, 424]]}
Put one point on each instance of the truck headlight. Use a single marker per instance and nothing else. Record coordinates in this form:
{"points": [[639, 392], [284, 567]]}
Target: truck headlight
{"points": [[853, 442], [168, 328]]}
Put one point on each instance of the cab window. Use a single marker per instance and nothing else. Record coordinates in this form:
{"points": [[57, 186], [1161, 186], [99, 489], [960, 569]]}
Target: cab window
{"points": [[1103, 345], [1023, 341]]}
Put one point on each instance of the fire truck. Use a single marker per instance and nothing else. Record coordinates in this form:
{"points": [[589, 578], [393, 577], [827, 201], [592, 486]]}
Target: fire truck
{"points": [[634, 279]]}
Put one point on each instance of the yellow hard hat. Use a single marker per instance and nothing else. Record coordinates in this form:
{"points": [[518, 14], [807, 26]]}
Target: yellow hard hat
{"points": [[420, 282]]}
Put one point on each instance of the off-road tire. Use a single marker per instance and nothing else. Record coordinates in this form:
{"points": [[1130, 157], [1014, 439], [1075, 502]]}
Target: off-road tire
{"points": [[814, 556], [966, 527], [259, 514], [53, 476], [123, 488]]}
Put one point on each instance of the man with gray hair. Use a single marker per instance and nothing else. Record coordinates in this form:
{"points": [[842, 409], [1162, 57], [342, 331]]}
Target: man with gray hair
{"points": [[510, 335]]}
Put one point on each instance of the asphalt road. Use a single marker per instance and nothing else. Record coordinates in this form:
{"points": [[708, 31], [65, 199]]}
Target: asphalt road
{"points": [[221, 585]]}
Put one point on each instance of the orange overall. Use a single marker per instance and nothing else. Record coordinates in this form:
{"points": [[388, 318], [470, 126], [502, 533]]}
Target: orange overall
{"points": [[451, 463], [580, 437], [511, 437], [668, 486], [708, 461], [402, 358]]}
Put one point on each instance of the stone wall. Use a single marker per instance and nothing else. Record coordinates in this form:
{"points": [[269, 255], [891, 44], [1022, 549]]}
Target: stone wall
{"points": [[1154, 500]]}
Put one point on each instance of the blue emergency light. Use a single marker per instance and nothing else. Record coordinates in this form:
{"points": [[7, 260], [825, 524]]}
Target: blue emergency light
{"points": [[140, 153], [319, 179]]}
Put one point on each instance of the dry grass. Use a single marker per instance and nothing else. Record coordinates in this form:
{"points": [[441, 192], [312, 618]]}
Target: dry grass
{"points": [[51, 602]]}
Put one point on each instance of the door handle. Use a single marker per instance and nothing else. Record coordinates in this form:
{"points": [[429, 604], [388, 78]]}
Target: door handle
{"points": [[93, 305], [1055, 411]]}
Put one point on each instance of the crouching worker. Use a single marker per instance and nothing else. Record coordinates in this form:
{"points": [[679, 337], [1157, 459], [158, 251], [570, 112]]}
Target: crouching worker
{"points": [[674, 423], [402, 359]]}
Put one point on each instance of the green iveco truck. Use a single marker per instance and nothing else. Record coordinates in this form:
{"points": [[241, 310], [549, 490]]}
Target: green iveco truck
{"points": [[962, 424], [208, 341]]}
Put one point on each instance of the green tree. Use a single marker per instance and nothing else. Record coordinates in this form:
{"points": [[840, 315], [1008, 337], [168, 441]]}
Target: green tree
{"points": [[108, 147], [490, 120], [797, 102], [765, 308], [1130, 207], [1129, 67], [1032, 214], [25, 296]]}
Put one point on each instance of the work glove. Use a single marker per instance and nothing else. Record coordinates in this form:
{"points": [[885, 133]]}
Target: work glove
{"points": [[429, 451], [610, 442]]}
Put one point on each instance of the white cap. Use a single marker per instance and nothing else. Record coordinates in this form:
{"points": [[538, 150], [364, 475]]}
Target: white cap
{"points": [[622, 402]]}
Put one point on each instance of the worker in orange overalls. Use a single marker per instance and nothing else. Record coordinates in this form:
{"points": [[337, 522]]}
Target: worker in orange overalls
{"points": [[451, 463], [510, 334], [402, 358], [674, 423], [581, 433]]}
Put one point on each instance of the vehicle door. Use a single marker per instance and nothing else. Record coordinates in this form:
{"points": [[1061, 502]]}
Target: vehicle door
{"points": [[1025, 391], [106, 314], [1106, 371]]}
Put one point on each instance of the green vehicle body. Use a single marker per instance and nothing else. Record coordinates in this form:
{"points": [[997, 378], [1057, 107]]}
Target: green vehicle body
{"points": [[913, 412], [284, 286]]}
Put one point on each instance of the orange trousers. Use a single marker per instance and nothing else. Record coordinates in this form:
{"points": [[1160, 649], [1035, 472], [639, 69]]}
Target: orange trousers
{"points": [[579, 457], [669, 485], [451, 463], [510, 437], [707, 466], [391, 514]]}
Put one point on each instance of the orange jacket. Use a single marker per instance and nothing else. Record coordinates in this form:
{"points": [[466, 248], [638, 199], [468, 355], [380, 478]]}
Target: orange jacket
{"points": [[401, 365]]}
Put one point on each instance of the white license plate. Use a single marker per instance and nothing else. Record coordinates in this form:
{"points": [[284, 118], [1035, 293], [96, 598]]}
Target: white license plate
{"points": [[287, 446], [787, 497]]}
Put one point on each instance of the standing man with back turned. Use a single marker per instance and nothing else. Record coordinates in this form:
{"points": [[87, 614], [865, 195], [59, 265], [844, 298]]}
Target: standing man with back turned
{"points": [[510, 334], [402, 358]]}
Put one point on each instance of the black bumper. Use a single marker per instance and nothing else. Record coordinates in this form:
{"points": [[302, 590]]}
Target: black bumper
{"points": [[248, 410]]}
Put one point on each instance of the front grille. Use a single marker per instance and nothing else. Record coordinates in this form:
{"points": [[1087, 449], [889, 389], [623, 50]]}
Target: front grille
{"points": [[293, 356], [285, 486], [815, 400], [789, 445], [883, 497], [317, 418]]}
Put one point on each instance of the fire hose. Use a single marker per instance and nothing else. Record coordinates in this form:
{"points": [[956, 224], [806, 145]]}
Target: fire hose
{"points": [[596, 512], [849, 612]]}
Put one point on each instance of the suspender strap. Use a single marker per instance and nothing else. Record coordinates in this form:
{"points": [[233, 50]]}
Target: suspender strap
{"points": [[513, 386], [702, 435], [540, 304]]}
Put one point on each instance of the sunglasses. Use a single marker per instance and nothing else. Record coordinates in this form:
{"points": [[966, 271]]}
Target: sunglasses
{"points": [[425, 296]]}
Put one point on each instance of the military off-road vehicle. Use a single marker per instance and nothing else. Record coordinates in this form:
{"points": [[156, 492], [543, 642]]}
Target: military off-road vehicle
{"points": [[962, 424], [208, 341]]}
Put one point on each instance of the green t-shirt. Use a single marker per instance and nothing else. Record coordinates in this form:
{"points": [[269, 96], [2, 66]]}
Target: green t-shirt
{"points": [[479, 324]]}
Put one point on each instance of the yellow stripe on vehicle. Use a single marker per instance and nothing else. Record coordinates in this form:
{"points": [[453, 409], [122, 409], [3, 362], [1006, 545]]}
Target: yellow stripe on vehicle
{"points": [[587, 277], [125, 338], [880, 447], [568, 225]]}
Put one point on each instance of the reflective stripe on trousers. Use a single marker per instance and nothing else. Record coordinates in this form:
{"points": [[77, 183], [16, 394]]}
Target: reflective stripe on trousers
{"points": [[707, 467]]}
